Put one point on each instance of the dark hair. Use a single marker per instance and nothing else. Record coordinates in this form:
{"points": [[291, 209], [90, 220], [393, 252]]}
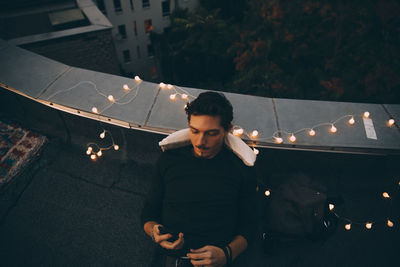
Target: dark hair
{"points": [[213, 104]]}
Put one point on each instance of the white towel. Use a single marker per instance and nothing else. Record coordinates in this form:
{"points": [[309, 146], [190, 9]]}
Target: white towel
{"points": [[181, 138]]}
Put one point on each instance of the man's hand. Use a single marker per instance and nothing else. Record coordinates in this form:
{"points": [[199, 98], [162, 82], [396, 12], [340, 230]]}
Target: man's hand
{"points": [[209, 256], [162, 239]]}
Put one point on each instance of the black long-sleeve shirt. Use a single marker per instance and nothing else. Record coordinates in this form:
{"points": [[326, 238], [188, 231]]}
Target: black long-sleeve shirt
{"points": [[209, 200]]}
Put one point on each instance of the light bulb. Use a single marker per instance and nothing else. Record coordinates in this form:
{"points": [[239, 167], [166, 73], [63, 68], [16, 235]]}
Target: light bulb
{"points": [[267, 193], [292, 138], [331, 206], [99, 154], [352, 121], [254, 133], [333, 129], [184, 96], [169, 86], [240, 131], [103, 134], [390, 122], [162, 85], [347, 226], [95, 110], [116, 147], [390, 223], [385, 195], [93, 156], [111, 98], [368, 225], [126, 87], [366, 114], [256, 151], [88, 152], [137, 78], [90, 149], [278, 140], [311, 132], [172, 97]]}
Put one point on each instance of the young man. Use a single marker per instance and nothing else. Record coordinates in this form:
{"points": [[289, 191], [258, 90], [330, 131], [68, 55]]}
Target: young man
{"points": [[200, 208]]}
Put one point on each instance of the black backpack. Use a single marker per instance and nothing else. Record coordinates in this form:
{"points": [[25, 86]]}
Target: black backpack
{"points": [[297, 208]]}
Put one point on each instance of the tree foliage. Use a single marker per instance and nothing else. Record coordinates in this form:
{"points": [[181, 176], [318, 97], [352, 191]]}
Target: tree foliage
{"points": [[309, 49]]}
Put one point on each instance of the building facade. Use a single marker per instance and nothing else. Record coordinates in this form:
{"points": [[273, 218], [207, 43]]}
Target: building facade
{"points": [[132, 21]]}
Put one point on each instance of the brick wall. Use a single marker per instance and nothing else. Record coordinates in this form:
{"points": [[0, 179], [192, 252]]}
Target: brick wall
{"points": [[93, 51]]}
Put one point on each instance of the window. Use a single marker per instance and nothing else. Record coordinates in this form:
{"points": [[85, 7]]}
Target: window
{"points": [[131, 3], [134, 28], [101, 6], [117, 6], [148, 27], [153, 72], [127, 56], [150, 51], [138, 51], [145, 3], [166, 8], [122, 31]]}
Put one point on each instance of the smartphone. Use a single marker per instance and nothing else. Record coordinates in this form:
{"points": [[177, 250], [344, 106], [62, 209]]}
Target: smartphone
{"points": [[164, 230]]}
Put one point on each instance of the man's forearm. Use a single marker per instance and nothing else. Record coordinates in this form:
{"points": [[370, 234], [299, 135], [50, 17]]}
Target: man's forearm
{"points": [[238, 245]]}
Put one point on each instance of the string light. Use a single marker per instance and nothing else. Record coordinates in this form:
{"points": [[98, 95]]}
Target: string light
{"points": [[137, 78], [311, 132], [278, 140], [116, 147], [385, 195], [366, 114], [348, 226], [390, 223], [368, 225], [88, 152], [169, 86], [99, 153], [333, 129], [103, 134], [93, 156], [95, 110], [292, 138], [111, 98], [390, 122], [162, 85], [352, 121], [184, 96], [126, 87], [331, 206], [256, 151], [267, 193], [172, 96], [254, 134]]}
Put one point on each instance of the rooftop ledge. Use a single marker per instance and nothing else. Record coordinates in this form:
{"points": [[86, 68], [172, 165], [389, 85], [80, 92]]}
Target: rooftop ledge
{"points": [[159, 108]]}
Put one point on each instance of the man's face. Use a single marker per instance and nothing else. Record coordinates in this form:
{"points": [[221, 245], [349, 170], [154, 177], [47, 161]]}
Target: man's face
{"points": [[206, 134]]}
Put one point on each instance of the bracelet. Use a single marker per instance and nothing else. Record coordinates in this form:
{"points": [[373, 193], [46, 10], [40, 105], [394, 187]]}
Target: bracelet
{"points": [[230, 254], [225, 250]]}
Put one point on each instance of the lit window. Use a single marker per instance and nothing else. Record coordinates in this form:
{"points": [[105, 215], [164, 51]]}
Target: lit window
{"points": [[101, 6], [127, 56], [117, 6], [166, 8], [131, 3], [138, 51], [150, 52], [145, 3], [122, 31], [153, 72], [148, 27], [134, 28]]}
